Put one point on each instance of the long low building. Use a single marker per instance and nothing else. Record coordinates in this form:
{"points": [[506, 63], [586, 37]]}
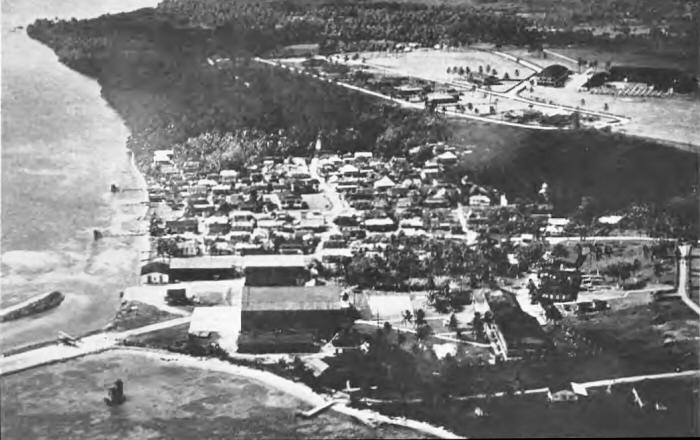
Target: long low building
{"points": [[291, 318], [275, 270], [203, 268]]}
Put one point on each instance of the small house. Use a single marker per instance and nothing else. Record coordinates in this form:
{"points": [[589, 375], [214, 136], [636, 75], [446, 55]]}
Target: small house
{"points": [[381, 224], [384, 184], [155, 272], [556, 226], [182, 225], [218, 225], [479, 200], [447, 158]]}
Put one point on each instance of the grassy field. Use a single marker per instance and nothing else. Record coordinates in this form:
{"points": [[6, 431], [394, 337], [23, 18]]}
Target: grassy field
{"points": [[652, 338], [599, 415], [432, 64], [627, 252], [136, 314], [536, 58], [673, 119], [631, 55]]}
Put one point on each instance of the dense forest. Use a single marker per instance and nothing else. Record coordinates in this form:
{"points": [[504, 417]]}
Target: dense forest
{"points": [[159, 79], [350, 25], [157, 74]]}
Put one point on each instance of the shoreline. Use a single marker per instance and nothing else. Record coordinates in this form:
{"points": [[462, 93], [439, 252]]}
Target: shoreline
{"points": [[141, 245], [295, 389]]}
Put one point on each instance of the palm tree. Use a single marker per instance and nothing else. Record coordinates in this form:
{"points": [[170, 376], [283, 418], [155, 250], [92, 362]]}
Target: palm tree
{"points": [[420, 318], [453, 324], [477, 326], [407, 317]]}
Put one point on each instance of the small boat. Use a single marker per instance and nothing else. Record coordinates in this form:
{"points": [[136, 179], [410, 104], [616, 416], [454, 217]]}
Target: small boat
{"points": [[114, 188], [116, 394], [660, 407], [36, 304]]}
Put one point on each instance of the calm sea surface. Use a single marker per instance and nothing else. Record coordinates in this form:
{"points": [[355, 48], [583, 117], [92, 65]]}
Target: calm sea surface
{"points": [[62, 147], [163, 401]]}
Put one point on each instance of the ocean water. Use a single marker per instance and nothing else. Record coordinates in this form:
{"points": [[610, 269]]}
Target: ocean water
{"points": [[163, 401], [62, 148]]}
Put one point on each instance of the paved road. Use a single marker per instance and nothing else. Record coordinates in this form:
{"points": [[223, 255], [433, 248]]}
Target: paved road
{"points": [[683, 282], [493, 333], [87, 345], [421, 106], [437, 336], [555, 240], [544, 390]]}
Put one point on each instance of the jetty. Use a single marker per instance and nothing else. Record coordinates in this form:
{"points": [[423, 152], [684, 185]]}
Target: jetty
{"points": [[316, 410], [63, 351], [36, 304]]}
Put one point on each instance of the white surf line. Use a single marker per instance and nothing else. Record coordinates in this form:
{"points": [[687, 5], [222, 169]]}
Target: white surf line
{"points": [[296, 389]]}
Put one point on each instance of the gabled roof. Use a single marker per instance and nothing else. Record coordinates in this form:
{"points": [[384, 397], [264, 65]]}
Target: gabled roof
{"points": [[384, 182], [208, 262], [273, 260], [154, 267], [348, 169]]}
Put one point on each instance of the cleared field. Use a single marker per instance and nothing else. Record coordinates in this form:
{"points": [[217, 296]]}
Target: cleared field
{"points": [[541, 60], [674, 119], [669, 57], [432, 64]]}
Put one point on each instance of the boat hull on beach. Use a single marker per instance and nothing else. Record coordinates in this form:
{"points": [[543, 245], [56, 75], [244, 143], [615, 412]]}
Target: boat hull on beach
{"points": [[31, 306]]}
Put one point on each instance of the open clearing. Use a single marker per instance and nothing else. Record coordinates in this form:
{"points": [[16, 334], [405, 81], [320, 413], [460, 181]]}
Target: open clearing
{"points": [[624, 56], [673, 119], [432, 64], [666, 119]]}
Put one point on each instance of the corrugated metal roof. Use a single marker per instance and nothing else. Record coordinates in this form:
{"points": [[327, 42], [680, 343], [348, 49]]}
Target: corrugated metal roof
{"points": [[209, 262], [274, 260], [292, 298]]}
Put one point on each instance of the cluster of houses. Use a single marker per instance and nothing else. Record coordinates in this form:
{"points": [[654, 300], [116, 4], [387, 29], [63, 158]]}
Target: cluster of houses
{"points": [[327, 209], [276, 224], [258, 210], [383, 196]]}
